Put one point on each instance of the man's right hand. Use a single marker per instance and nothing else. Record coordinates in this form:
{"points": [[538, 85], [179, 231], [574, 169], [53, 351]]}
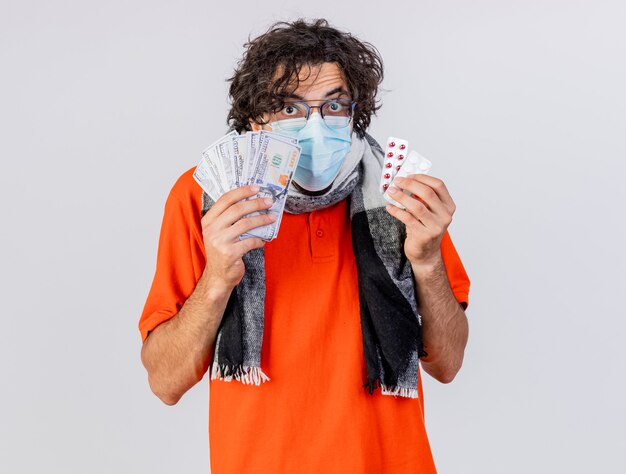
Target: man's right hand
{"points": [[177, 352], [221, 227]]}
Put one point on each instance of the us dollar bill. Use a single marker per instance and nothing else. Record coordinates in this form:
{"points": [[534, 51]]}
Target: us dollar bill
{"points": [[274, 169], [264, 158], [252, 140], [204, 175], [223, 150], [240, 148]]}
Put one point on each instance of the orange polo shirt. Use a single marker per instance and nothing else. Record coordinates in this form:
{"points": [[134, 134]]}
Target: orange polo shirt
{"points": [[314, 415]]}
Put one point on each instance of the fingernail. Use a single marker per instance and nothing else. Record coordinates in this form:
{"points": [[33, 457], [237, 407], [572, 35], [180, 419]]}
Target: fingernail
{"points": [[254, 188], [268, 201], [392, 190]]}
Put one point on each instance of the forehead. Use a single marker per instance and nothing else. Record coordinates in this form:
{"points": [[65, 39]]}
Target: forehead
{"points": [[317, 80]]}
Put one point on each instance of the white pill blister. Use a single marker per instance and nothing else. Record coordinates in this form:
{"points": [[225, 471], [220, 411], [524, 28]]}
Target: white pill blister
{"points": [[395, 154], [414, 163]]}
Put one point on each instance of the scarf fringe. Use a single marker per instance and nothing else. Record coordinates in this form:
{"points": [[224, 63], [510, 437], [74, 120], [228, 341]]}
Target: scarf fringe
{"points": [[241, 373], [391, 390], [399, 391]]}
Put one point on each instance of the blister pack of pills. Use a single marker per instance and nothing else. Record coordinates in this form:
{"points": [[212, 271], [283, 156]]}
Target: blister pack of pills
{"points": [[399, 162]]}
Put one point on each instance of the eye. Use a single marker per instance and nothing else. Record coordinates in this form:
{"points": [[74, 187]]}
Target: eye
{"points": [[335, 106], [290, 110]]}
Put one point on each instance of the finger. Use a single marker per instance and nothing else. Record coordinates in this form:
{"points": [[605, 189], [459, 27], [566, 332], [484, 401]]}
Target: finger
{"points": [[415, 207], [231, 197], [238, 210], [235, 212], [424, 192], [247, 244], [403, 216], [246, 224], [439, 187]]}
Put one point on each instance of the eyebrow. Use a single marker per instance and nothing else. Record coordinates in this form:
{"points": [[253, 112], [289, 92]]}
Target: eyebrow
{"points": [[328, 94]]}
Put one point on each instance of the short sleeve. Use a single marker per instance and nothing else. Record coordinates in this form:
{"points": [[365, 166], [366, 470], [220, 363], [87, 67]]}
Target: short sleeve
{"points": [[180, 256], [457, 276]]}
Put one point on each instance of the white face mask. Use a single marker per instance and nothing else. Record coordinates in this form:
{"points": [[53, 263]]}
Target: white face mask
{"points": [[324, 149]]}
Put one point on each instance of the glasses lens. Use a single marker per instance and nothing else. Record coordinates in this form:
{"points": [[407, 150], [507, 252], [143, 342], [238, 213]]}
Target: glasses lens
{"points": [[337, 108], [337, 122], [291, 117], [289, 125], [292, 111], [337, 113]]}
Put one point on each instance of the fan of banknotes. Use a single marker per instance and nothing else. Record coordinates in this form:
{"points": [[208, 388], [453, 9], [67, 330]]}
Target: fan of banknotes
{"points": [[267, 159]]}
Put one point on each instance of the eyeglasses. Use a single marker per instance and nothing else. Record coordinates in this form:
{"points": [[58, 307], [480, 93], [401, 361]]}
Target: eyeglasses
{"points": [[336, 113]]}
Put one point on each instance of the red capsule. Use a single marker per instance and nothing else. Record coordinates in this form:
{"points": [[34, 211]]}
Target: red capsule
{"points": [[387, 165], [387, 176], [390, 154], [385, 186], [402, 147], [398, 168], [400, 157], [392, 144]]}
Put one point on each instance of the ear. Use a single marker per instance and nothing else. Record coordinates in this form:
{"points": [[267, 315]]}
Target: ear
{"points": [[255, 127]]}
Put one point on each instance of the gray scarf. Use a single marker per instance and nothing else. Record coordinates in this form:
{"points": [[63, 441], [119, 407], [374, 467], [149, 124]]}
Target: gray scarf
{"points": [[390, 323]]}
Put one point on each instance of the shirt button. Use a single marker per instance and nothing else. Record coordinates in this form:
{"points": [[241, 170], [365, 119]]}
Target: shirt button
{"points": [[319, 233]]}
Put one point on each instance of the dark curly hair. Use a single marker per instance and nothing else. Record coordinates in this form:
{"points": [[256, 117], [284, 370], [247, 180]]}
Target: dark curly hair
{"points": [[288, 47]]}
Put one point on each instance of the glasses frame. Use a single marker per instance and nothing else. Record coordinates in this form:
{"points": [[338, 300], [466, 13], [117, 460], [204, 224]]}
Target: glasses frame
{"points": [[309, 107]]}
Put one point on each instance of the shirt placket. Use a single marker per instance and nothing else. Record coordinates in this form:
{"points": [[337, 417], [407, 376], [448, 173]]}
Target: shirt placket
{"points": [[320, 235]]}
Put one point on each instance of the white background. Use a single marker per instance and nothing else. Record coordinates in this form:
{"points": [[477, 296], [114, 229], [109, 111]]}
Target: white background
{"points": [[519, 105]]}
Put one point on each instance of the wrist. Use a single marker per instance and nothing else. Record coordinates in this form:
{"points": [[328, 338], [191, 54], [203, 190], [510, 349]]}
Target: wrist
{"points": [[215, 288], [423, 269]]}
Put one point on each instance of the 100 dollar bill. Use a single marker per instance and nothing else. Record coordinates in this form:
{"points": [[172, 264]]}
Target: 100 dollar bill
{"points": [[277, 159]]}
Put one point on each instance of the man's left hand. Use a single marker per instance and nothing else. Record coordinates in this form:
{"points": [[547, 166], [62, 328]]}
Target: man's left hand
{"points": [[428, 214]]}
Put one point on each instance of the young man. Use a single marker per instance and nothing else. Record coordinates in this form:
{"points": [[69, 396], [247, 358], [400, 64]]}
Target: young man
{"points": [[312, 339]]}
